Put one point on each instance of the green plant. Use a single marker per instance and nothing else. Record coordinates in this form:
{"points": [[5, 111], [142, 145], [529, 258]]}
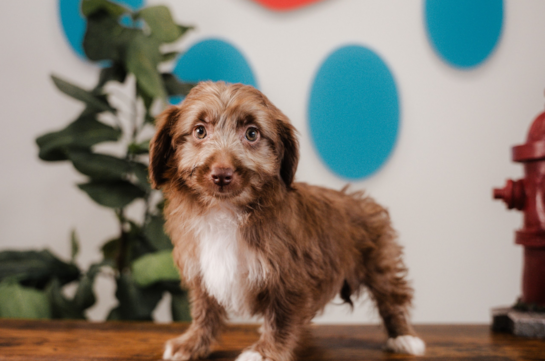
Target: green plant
{"points": [[141, 253]]}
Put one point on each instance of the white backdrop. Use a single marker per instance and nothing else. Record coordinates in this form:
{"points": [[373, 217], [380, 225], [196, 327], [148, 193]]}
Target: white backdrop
{"points": [[456, 131]]}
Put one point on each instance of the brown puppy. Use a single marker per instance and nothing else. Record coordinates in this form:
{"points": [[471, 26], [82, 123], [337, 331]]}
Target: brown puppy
{"points": [[247, 239]]}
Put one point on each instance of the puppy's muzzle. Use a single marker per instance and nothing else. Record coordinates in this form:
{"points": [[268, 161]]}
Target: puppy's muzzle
{"points": [[222, 176]]}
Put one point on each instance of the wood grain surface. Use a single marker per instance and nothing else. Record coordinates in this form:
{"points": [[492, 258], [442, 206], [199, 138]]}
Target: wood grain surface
{"points": [[79, 340]]}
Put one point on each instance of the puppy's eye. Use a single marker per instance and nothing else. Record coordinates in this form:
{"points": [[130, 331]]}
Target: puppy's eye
{"points": [[252, 134], [200, 132]]}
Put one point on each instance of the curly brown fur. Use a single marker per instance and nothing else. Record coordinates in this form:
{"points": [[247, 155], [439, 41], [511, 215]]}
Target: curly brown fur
{"points": [[248, 239]]}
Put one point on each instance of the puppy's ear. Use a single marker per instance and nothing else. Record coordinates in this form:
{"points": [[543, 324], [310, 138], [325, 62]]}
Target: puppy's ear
{"points": [[161, 146], [290, 154]]}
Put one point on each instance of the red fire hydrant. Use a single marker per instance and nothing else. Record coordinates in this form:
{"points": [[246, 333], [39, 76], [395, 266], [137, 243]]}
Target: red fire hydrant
{"points": [[528, 195]]}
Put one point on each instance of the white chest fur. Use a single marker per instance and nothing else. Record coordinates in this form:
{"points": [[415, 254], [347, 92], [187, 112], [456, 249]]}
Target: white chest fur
{"points": [[228, 268]]}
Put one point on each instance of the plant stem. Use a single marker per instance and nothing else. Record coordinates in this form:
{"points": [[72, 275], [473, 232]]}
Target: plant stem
{"points": [[147, 205], [135, 115], [123, 242]]}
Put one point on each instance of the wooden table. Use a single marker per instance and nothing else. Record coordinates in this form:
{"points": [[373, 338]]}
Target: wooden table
{"points": [[78, 340]]}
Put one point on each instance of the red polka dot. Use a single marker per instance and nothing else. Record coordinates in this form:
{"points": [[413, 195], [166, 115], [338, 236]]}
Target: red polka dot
{"points": [[285, 5]]}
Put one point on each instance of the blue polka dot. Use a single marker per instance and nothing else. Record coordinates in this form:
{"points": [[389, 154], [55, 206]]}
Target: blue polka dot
{"points": [[464, 32], [354, 112], [215, 60], [73, 22]]}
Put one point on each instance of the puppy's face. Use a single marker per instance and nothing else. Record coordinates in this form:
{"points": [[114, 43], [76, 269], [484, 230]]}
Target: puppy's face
{"points": [[224, 142]]}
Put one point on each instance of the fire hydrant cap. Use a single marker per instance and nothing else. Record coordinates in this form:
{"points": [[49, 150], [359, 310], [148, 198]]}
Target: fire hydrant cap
{"points": [[534, 148]]}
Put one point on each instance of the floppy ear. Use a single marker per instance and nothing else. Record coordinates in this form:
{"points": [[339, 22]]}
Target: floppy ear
{"points": [[290, 145], [161, 147], [290, 153]]}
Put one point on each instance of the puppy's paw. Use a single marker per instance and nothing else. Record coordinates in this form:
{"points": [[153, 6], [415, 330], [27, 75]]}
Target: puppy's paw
{"points": [[250, 355], [171, 349], [185, 347], [411, 345]]}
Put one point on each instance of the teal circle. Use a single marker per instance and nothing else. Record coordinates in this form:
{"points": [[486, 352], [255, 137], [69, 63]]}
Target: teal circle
{"points": [[353, 112], [73, 22], [215, 60], [464, 32]]}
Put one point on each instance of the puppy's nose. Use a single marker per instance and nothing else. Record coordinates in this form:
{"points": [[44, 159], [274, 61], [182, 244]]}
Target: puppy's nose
{"points": [[222, 176]]}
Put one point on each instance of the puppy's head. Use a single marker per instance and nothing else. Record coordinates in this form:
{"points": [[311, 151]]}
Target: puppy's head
{"points": [[224, 142]]}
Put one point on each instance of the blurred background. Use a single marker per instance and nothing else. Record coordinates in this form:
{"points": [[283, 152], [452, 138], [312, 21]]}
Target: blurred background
{"points": [[447, 92]]}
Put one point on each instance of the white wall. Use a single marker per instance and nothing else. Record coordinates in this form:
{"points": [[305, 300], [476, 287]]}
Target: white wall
{"points": [[457, 128]]}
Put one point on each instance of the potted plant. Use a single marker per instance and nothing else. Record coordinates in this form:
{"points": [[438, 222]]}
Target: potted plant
{"points": [[140, 257]]}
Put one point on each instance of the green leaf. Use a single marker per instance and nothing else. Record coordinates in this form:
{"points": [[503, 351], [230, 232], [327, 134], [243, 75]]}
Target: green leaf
{"points": [[148, 102], [155, 267], [161, 206], [113, 194], [89, 7], [36, 269], [85, 296], [100, 166], [138, 243], [185, 29], [179, 306], [175, 86], [143, 57], [61, 307], [141, 172], [74, 245], [81, 134], [92, 111], [155, 233], [115, 72], [110, 248], [161, 24], [137, 246], [169, 56], [147, 99], [105, 38], [139, 148], [173, 287], [85, 96], [135, 303], [64, 308], [17, 301]]}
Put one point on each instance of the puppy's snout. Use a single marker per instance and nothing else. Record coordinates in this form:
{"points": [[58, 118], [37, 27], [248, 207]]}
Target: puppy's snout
{"points": [[222, 176]]}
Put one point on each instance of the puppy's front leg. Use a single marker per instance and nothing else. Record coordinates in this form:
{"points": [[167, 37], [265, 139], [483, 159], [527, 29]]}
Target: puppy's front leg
{"points": [[208, 320], [280, 333]]}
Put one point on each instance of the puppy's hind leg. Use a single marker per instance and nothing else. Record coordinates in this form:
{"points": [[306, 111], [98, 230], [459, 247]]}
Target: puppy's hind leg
{"points": [[385, 279], [208, 320]]}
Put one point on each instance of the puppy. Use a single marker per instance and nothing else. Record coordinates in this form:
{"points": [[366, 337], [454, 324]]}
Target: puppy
{"points": [[249, 240]]}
